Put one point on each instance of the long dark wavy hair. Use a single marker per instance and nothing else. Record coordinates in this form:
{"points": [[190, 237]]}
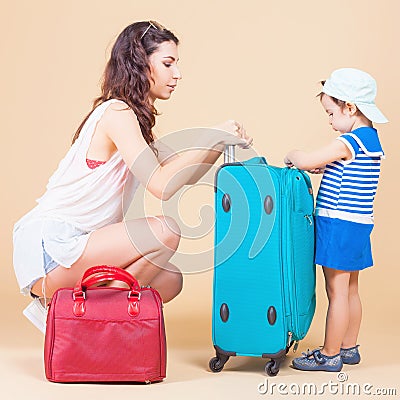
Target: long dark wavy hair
{"points": [[126, 76]]}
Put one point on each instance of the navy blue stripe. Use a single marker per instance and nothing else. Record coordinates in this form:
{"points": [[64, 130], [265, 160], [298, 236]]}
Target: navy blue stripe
{"points": [[331, 192], [333, 174], [330, 167], [372, 187], [363, 200], [334, 192], [357, 163], [369, 182], [350, 184], [334, 204], [362, 176], [344, 192], [333, 179], [327, 195], [332, 186], [363, 206], [356, 211], [326, 207], [364, 156]]}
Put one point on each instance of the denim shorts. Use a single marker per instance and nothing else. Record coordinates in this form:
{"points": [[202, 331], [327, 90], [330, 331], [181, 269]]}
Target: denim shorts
{"points": [[49, 263]]}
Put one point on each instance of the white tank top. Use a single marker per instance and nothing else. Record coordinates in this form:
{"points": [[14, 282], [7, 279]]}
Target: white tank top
{"points": [[78, 200]]}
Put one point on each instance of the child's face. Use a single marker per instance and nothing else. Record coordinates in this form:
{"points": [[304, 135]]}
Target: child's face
{"points": [[341, 120]]}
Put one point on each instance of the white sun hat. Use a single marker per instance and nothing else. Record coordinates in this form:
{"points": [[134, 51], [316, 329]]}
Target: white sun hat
{"points": [[355, 86]]}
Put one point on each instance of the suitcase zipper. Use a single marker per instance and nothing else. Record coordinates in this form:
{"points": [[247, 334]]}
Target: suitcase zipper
{"points": [[290, 334], [289, 258]]}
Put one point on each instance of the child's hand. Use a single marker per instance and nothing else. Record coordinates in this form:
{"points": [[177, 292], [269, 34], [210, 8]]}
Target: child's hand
{"points": [[317, 170]]}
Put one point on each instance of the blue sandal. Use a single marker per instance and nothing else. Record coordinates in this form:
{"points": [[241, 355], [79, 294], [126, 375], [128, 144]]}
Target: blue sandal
{"points": [[316, 361], [351, 355]]}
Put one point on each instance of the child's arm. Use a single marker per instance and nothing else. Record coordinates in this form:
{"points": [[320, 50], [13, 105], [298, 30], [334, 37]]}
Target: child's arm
{"points": [[317, 159]]}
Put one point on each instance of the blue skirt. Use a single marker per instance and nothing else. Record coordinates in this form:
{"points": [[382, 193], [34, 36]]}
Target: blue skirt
{"points": [[342, 245]]}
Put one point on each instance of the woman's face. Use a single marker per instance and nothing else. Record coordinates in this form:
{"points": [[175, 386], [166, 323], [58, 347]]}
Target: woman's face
{"points": [[164, 71]]}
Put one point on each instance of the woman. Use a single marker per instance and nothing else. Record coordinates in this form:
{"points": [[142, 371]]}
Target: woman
{"points": [[78, 222]]}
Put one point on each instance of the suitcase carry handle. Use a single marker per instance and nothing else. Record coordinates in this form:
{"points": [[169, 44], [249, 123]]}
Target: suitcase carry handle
{"points": [[101, 274]]}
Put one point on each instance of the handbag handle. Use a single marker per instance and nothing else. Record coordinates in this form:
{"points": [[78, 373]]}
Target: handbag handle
{"points": [[101, 277], [119, 273], [104, 272], [100, 274]]}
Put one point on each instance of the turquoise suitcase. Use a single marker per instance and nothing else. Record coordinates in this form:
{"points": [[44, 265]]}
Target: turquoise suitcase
{"points": [[264, 272]]}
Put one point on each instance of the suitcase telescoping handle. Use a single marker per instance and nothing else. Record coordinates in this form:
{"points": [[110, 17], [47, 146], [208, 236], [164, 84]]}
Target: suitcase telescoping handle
{"points": [[101, 274], [229, 154]]}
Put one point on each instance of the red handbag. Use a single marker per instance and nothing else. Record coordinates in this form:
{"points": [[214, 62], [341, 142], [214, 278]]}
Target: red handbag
{"points": [[104, 334]]}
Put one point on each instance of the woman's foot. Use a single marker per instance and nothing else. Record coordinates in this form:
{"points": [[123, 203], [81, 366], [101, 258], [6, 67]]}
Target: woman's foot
{"points": [[316, 361], [350, 355]]}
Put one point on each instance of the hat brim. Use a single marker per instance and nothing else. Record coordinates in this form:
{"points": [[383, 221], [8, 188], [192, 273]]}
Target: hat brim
{"points": [[372, 112]]}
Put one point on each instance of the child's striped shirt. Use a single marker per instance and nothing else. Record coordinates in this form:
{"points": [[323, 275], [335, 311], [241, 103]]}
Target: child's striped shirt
{"points": [[348, 188]]}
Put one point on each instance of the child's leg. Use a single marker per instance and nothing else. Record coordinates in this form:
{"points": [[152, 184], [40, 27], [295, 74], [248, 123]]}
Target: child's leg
{"points": [[355, 310], [337, 318]]}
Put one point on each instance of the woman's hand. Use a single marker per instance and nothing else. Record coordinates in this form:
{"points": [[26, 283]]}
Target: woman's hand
{"points": [[232, 133]]}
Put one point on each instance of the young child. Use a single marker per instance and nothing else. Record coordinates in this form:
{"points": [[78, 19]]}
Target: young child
{"points": [[344, 210]]}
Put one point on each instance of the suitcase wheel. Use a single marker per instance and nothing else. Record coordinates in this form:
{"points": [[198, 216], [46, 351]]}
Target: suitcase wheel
{"points": [[272, 368], [216, 364]]}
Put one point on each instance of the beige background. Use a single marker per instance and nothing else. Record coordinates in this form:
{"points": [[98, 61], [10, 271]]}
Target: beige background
{"points": [[256, 61]]}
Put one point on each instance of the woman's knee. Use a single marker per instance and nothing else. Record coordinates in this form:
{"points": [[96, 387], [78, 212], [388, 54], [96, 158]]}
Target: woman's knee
{"points": [[172, 286], [153, 233], [168, 282], [168, 231], [178, 282]]}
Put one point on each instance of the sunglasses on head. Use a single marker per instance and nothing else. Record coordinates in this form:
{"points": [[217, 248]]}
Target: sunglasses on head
{"points": [[152, 24]]}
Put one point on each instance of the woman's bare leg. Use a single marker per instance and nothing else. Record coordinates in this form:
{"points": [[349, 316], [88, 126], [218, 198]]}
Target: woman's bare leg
{"points": [[168, 282], [142, 246]]}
